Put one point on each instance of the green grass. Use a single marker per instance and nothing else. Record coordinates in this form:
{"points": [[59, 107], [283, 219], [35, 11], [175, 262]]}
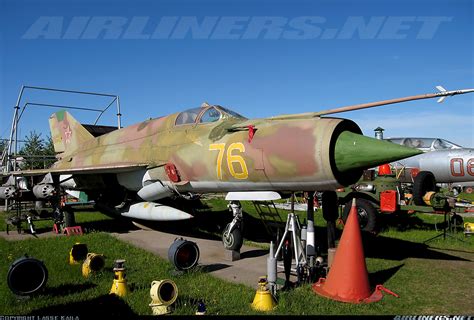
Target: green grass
{"points": [[67, 286], [84, 215], [433, 278]]}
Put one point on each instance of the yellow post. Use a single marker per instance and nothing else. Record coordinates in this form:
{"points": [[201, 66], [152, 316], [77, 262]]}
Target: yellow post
{"points": [[119, 286], [263, 300]]}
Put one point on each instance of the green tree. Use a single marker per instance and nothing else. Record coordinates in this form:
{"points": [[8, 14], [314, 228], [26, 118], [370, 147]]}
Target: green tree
{"points": [[3, 146], [32, 151], [49, 152], [38, 154]]}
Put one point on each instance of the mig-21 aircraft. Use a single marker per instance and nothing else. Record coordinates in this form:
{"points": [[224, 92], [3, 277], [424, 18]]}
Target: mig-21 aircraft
{"points": [[442, 161], [209, 149]]}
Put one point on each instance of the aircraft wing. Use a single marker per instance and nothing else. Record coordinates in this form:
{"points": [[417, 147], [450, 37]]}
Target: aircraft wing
{"points": [[115, 168]]}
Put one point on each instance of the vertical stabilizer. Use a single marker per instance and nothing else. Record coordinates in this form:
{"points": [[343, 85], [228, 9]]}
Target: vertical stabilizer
{"points": [[67, 133]]}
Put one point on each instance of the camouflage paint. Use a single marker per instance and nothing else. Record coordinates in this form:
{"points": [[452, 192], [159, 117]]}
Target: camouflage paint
{"points": [[286, 154]]}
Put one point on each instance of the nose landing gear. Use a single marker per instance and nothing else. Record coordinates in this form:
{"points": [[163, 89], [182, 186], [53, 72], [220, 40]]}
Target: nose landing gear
{"points": [[232, 236]]}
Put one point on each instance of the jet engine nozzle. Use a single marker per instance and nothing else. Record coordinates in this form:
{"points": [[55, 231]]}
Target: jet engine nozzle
{"points": [[44, 191], [7, 192]]}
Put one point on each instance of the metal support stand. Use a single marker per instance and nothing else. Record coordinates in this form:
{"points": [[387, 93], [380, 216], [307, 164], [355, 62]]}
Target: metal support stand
{"points": [[311, 247], [9, 156], [293, 226], [308, 265]]}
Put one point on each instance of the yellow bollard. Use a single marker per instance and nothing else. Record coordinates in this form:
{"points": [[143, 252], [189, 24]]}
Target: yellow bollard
{"points": [[263, 300], [468, 227], [119, 286]]}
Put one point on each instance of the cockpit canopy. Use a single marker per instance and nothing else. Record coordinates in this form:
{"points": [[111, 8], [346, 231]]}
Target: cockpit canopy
{"points": [[205, 114], [425, 144]]}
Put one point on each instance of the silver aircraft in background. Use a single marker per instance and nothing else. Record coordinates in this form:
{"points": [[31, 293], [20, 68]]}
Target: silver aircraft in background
{"points": [[448, 162]]}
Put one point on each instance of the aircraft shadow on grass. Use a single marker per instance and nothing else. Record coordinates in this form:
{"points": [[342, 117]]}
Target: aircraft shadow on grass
{"points": [[402, 221], [382, 276], [66, 289], [212, 267], [396, 249], [208, 224], [103, 307]]}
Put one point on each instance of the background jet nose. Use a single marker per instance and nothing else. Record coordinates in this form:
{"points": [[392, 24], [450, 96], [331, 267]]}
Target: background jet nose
{"points": [[354, 151]]}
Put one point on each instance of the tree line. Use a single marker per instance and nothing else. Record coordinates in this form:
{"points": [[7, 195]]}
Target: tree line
{"points": [[35, 153]]}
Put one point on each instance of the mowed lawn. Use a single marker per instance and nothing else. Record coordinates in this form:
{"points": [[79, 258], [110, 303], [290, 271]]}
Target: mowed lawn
{"points": [[432, 278]]}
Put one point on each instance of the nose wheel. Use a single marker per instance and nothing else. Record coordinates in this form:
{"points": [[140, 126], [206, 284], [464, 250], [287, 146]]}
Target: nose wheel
{"points": [[232, 235], [232, 240]]}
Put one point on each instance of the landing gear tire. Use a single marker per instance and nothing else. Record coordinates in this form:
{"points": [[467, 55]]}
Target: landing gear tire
{"points": [[366, 212], [424, 182], [234, 239]]}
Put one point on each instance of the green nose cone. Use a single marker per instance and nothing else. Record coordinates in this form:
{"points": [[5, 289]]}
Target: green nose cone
{"points": [[355, 151]]}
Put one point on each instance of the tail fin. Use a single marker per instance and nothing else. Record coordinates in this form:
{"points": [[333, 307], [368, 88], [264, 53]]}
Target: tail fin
{"points": [[67, 133]]}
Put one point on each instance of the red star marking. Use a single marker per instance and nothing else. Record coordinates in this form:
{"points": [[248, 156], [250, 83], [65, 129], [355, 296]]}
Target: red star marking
{"points": [[68, 134]]}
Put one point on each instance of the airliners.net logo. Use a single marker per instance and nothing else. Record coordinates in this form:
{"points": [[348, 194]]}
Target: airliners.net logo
{"points": [[235, 28], [433, 318]]}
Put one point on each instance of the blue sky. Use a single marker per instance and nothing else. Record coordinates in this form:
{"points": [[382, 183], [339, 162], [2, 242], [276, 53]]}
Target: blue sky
{"points": [[315, 55]]}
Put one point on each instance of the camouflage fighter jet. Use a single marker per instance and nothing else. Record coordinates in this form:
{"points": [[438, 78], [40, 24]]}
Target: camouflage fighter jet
{"points": [[209, 149]]}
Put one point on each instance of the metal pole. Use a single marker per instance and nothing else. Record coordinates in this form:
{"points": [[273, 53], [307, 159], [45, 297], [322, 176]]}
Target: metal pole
{"points": [[54, 106], [392, 101], [118, 113], [72, 91], [283, 238], [13, 140], [13, 130], [310, 238], [16, 137], [295, 240], [102, 111], [310, 207], [293, 202], [116, 98]]}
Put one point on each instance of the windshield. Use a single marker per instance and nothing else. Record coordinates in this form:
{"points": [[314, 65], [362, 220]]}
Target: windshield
{"points": [[232, 113], [210, 115], [425, 143], [444, 144], [188, 116], [204, 114]]}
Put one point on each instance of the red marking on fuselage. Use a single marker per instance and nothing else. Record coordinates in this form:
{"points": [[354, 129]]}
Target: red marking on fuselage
{"points": [[470, 167], [454, 171]]}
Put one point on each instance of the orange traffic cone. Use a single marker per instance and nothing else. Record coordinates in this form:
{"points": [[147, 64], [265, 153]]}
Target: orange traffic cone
{"points": [[348, 279]]}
